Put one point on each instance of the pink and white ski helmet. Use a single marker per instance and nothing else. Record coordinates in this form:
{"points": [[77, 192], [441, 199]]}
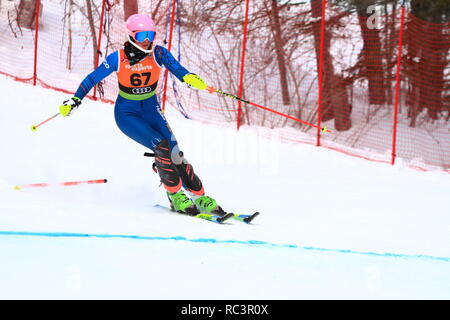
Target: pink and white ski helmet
{"points": [[139, 22]]}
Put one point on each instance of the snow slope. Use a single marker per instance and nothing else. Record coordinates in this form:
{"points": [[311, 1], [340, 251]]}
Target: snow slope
{"points": [[331, 226]]}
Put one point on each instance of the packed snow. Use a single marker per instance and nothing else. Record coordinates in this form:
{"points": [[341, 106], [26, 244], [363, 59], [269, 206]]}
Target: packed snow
{"points": [[331, 226]]}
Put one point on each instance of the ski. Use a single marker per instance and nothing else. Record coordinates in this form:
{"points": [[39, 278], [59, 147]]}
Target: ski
{"points": [[247, 218], [219, 218], [204, 216], [213, 217]]}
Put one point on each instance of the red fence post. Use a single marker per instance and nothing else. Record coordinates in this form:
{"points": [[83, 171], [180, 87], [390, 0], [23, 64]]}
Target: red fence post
{"points": [[241, 71], [166, 73], [36, 31], [100, 31], [322, 43], [397, 84]]}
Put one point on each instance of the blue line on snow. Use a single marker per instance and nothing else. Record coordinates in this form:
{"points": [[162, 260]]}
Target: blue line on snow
{"points": [[217, 241]]}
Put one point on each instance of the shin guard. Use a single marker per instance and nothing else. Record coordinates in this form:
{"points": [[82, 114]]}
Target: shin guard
{"points": [[170, 178], [189, 178]]}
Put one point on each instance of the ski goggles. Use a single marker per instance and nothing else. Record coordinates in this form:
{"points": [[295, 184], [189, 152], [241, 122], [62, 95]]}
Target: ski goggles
{"points": [[140, 36]]}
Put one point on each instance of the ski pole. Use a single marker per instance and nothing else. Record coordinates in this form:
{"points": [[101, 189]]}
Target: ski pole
{"points": [[34, 127], [64, 184], [211, 90]]}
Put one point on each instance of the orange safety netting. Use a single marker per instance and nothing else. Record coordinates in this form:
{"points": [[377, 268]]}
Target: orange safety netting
{"points": [[378, 105]]}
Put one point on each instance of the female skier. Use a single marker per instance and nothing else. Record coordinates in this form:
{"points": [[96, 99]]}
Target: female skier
{"points": [[138, 114]]}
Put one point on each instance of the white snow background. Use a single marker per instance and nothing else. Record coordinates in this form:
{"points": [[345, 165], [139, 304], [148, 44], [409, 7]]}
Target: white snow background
{"points": [[331, 226]]}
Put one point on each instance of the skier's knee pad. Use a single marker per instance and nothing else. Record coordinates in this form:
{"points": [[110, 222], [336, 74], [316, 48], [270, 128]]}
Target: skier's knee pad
{"points": [[163, 149], [165, 167]]}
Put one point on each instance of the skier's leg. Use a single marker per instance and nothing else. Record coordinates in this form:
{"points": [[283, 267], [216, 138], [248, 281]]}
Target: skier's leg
{"points": [[171, 180], [193, 185], [165, 168], [191, 182], [131, 123]]}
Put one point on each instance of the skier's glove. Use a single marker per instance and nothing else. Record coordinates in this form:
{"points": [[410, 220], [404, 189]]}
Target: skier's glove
{"points": [[68, 106], [193, 80]]}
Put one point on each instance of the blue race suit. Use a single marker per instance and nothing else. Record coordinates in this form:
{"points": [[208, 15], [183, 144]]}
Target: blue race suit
{"points": [[143, 121]]}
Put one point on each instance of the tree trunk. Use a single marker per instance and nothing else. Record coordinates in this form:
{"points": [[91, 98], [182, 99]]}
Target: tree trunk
{"points": [[93, 32], [27, 13], [130, 7], [69, 46], [155, 11], [279, 49], [427, 58], [412, 72], [372, 61], [432, 66], [335, 100], [391, 46]]}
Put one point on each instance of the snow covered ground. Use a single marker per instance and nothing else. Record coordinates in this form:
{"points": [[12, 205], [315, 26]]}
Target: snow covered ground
{"points": [[331, 226]]}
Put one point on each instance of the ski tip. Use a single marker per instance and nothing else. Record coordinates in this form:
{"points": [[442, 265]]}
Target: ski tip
{"points": [[251, 217]]}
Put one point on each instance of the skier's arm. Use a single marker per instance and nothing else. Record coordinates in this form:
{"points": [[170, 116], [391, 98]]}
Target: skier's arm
{"points": [[164, 58], [109, 65]]}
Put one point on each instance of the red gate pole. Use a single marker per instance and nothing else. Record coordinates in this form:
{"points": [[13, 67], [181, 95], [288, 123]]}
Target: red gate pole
{"points": [[241, 71], [166, 73], [322, 43], [397, 84], [36, 32], [100, 31]]}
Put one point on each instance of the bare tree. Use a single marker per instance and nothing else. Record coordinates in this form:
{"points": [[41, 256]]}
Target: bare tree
{"points": [[273, 38], [90, 18], [26, 13], [372, 55], [335, 103], [69, 34], [428, 45], [275, 20], [130, 7], [155, 11]]}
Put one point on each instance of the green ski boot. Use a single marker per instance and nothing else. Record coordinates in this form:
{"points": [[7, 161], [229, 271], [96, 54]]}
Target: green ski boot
{"points": [[207, 204], [179, 202]]}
